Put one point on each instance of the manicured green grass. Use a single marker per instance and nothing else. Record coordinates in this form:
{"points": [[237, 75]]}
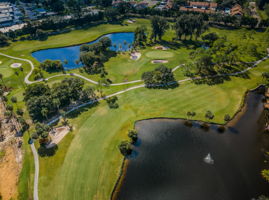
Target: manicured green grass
{"points": [[87, 163], [92, 162], [159, 54]]}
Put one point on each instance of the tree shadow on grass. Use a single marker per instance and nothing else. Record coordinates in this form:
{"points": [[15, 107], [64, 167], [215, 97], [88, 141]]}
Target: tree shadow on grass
{"points": [[76, 113], [47, 152]]}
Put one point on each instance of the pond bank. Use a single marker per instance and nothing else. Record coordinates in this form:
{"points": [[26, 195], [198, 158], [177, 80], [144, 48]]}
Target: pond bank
{"points": [[236, 152]]}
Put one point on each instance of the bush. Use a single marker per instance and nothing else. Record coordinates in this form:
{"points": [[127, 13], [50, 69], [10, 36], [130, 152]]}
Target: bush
{"points": [[133, 135], [19, 112], [125, 148], [227, 118], [52, 66], [13, 99], [112, 102], [9, 107]]}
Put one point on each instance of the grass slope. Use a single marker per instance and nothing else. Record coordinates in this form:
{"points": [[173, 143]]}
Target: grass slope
{"points": [[92, 162]]}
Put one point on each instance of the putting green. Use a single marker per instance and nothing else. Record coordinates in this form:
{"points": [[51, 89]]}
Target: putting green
{"points": [[159, 54]]}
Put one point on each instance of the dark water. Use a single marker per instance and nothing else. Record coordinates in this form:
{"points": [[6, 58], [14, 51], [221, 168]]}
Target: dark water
{"points": [[71, 54], [168, 162]]}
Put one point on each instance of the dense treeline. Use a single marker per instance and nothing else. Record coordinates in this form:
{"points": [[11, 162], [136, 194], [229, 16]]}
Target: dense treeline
{"points": [[220, 56], [40, 30], [161, 77], [52, 66], [92, 56], [43, 101], [189, 25]]}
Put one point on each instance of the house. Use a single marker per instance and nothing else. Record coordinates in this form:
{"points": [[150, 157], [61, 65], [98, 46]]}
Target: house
{"points": [[141, 5], [236, 10], [202, 7], [6, 13]]}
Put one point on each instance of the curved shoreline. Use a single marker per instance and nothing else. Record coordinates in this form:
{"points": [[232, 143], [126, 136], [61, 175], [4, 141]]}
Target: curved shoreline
{"points": [[26, 79], [124, 167], [73, 45]]}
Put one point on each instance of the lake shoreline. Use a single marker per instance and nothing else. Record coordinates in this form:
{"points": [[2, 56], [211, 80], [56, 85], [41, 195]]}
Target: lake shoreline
{"points": [[239, 113], [79, 44]]}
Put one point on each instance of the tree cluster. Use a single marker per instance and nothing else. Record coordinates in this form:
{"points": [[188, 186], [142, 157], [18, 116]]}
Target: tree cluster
{"points": [[52, 66], [219, 58], [161, 77], [94, 55], [112, 102], [43, 101], [189, 25], [140, 36], [125, 147], [3, 40], [159, 25]]}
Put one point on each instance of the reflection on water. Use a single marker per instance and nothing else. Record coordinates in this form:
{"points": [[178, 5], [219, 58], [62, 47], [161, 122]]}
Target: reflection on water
{"points": [[120, 42], [169, 162]]}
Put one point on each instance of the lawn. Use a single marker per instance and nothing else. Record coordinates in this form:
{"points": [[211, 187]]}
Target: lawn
{"points": [[91, 164], [87, 163]]}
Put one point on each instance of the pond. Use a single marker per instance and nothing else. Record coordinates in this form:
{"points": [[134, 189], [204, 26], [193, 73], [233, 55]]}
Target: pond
{"points": [[168, 162], [120, 42]]}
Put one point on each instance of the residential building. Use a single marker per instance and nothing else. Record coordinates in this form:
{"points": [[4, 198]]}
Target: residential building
{"points": [[236, 10], [202, 7]]}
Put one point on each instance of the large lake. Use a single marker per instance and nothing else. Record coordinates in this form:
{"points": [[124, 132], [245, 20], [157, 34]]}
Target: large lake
{"points": [[120, 42], [168, 162]]}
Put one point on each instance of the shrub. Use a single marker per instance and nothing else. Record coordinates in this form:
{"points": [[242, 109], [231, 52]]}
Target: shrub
{"points": [[19, 111], [125, 148], [112, 102], [133, 135], [9, 107], [13, 99], [227, 118]]}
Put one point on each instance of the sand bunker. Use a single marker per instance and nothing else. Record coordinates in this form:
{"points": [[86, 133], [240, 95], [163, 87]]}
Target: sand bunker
{"points": [[159, 61], [57, 135], [131, 21], [161, 48], [135, 55], [1, 62], [15, 65]]}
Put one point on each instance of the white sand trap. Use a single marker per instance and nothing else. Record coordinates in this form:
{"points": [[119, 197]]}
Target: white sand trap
{"points": [[15, 65], [159, 61], [1, 62], [161, 48], [57, 135], [130, 21], [135, 55]]}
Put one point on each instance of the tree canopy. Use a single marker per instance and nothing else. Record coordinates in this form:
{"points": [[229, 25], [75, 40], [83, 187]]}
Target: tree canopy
{"points": [[159, 26], [94, 55], [52, 66], [161, 77], [43, 101]]}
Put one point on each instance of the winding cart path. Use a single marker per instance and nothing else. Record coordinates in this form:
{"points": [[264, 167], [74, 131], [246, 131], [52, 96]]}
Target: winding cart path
{"points": [[27, 81]]}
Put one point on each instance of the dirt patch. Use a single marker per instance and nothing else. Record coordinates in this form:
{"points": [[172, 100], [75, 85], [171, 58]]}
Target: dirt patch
{"points": [[57, 135], [9, 174], [159, 61], [11, 155]]}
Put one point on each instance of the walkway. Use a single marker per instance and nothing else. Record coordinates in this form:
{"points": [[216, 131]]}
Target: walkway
{"points": [[27, 81]]}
